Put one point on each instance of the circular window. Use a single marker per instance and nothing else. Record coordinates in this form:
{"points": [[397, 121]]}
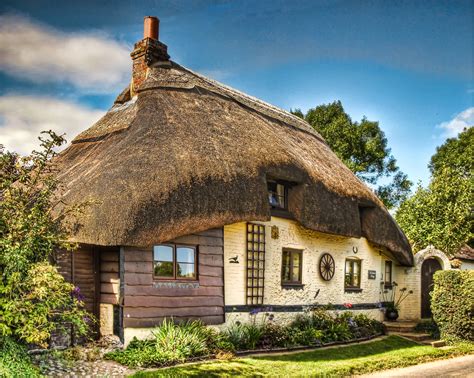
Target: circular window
{"points": [[327, 267]]}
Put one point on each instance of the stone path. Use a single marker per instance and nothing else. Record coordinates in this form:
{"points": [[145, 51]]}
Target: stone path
{"points": [[100, 368]]}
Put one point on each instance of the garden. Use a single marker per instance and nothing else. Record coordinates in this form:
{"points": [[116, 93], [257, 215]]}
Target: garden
{"points": [[176, 343]]}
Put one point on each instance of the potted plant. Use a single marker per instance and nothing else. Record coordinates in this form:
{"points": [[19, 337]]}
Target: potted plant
{"points": [[393, 299]]}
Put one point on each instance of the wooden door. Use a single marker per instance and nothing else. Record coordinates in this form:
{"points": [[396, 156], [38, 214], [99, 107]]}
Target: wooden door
{"points": [[85, 275], [429, 267]]}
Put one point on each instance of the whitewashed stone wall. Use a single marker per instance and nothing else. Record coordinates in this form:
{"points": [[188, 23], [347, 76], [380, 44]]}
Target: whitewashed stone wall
{"points": [[410, 309], [313, 244]]}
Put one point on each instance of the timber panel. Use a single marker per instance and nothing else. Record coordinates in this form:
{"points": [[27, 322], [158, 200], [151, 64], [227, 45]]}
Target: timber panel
{"points": [[109, 275], [147, 301]]}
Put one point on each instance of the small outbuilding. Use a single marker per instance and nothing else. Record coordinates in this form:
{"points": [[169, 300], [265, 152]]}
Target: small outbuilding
{"points": [[211, 203]]}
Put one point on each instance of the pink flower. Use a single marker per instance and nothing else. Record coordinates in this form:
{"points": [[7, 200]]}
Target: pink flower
{"points": [[347, 305]]}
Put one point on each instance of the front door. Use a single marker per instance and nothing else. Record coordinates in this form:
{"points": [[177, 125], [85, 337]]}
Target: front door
{"points": [[429, 267]]}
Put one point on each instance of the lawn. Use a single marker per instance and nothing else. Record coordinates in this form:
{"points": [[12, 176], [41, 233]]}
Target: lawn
{"points": [[355, 359]]}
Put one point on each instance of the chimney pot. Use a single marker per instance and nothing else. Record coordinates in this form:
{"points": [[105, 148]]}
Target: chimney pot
{"points": [[150, 27]]}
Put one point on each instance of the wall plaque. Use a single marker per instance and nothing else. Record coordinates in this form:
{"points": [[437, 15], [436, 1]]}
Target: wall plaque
{"points": [[372, 274], [176, 285]]}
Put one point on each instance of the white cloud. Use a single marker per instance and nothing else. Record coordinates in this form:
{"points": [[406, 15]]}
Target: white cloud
{"points": [[22, 118], [89, 61], [461, 121]]}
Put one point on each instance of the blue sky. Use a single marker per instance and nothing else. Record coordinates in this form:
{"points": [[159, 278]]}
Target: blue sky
{"points": [[406, 64]]}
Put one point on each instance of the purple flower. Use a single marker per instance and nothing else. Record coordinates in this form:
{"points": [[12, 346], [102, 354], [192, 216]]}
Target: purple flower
{"points": [[76, 293], [254, 311]]}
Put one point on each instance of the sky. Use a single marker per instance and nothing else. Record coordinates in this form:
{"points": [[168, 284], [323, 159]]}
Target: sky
{"points": [[407, 64]]}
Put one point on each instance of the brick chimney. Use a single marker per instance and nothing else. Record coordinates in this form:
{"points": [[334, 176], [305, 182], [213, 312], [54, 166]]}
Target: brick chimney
{"points": [[147, 52]]}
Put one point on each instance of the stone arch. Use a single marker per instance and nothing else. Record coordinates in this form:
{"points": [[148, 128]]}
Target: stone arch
{"points": [[411, 278], [432, 252]]}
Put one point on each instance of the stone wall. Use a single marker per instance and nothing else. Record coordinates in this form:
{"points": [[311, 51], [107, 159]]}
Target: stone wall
{"points": [[410, 278], [315, 290]]}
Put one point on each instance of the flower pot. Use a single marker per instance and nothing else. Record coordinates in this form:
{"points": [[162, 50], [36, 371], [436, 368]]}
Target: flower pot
{"points": [[391, 314]]}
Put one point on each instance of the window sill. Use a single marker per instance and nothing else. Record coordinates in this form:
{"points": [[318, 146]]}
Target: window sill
{"points": [[352, 290], [292, 286]]}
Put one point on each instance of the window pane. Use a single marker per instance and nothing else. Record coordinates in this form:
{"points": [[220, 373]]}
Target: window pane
{"points": [[185, 270], [356, 267], [162, 253], [164, 269], [296, 258], [185, 254], [295, 274]]}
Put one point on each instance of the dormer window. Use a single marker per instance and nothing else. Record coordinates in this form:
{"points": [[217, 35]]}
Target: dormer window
{"points": [[278, 195]]}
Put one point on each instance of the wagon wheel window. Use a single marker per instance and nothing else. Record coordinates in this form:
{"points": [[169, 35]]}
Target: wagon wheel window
{"points": [[327, 267]]}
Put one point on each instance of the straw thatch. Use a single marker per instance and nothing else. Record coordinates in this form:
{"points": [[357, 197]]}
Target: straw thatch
{"points": [[189, 154]]}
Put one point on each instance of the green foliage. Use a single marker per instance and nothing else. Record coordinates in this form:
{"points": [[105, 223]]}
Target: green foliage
{"points": [[456, 153], [32, 307], [362, 146], [14, 361], [34, 298], [428, 326], [452, 304], [172, 343], [442, 213]]}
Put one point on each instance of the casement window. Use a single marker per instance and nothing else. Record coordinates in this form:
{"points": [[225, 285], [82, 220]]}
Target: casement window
{"points": [[174, 262], [291, 267], [352, 274], [388, 275], [278, 195]]}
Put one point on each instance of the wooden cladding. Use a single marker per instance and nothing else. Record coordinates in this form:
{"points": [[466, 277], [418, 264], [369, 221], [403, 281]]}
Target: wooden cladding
{"points": [[255, 276], [148, 300]]}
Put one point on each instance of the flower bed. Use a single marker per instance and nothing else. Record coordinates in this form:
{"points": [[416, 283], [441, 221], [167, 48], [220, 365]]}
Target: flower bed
{"points": [[176, 343]]}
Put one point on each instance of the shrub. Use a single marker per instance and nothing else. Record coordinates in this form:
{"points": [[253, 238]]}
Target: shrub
{"points": [[172, 343], [428, 326], [14, 361], [452, 304], [31, 308]]}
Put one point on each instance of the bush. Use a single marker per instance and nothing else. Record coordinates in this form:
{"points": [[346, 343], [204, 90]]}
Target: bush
{"points": [[428, 326], [31, 308], [452, 304], [14, 361], [172, 343]]}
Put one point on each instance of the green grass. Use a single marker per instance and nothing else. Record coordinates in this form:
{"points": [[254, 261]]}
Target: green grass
{"points": [[383, 354]]}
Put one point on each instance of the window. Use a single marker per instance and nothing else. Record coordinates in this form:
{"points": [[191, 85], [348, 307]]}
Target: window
{"points": [[352, 274], [388, 275], [291, 267], [174, 262], [277, 195]]}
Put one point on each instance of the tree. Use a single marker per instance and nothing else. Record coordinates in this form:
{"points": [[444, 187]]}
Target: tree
{"points": [[455, 153], [442, 213], [34, 298], [363, 147]]}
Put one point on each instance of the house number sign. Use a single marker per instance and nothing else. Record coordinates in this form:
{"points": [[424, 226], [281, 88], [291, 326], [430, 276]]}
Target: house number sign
{"points": [[372, 274]]}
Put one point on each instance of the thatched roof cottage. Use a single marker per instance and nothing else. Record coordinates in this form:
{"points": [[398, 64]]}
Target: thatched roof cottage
{"points": [[212, 202]]}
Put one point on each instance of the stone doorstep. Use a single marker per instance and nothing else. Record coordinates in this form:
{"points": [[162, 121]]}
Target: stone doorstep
{"points": [[403, 326], [418, 337]]}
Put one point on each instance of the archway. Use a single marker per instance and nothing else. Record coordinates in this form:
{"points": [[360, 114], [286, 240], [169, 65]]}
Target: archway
{"points": [[428, 268]]}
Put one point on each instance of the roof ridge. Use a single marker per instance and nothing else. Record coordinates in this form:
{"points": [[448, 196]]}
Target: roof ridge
{"points": [[235, 94]]}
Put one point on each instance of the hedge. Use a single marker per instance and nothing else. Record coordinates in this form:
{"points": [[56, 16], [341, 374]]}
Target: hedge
{"points": [[452, 304]]}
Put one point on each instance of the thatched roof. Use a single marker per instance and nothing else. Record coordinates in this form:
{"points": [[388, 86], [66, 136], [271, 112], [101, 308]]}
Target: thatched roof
{"points": [[189, 154]]}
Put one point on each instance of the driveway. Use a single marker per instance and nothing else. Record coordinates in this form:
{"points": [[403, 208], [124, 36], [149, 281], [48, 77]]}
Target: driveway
{"points": [[453, 367]]}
